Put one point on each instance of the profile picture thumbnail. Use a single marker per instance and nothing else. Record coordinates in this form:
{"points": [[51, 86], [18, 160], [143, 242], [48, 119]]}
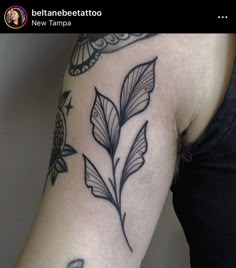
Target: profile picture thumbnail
{"points": [[15, 17]]}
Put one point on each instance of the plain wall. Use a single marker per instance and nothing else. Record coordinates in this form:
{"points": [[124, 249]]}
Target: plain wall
{"points": [[31, 72]]}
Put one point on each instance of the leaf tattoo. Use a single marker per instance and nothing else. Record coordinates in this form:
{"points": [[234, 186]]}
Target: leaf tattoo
{"points": [[68, 150], [107, 123], [95, 181], [76, 264], [135, 159], [60, 149], [136, 89], [105, 120]]}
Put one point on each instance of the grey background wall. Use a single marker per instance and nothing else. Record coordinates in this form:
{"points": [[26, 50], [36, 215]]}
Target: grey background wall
{"points": [[31, 72]]}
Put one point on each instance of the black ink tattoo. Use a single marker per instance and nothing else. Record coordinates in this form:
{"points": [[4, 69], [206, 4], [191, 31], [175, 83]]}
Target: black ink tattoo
{"points": [[60, 148], [76, 264], [89, 47], [68, 107], [107, 122]]}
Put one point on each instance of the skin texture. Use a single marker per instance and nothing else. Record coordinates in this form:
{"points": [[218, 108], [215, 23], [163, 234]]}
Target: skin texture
{"points": [[77, 218]]}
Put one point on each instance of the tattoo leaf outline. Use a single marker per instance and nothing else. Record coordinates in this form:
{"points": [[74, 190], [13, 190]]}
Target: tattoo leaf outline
{"points": [[136, 89], [94, 180], [105, 120], [135, 159], [68, 150], [107, 123], [79, 263]]}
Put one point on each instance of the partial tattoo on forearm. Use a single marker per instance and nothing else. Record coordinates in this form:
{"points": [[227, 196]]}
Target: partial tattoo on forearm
{"points": [[90, 46], [79, 263], [107, 123], [60, 148]]}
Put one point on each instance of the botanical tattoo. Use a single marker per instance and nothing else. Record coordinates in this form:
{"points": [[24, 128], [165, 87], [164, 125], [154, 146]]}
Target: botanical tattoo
{"points": [[90, 46], [76, 264], [60, 148], [107, 123]]}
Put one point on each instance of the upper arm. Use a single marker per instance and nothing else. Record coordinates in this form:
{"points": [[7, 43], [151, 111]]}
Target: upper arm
{"points": [[113, 159]]}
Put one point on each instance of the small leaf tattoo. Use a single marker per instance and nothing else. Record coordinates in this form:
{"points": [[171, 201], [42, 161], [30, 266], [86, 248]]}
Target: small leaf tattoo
{"points": [[76, 264], [136, 89], [105, 120]]}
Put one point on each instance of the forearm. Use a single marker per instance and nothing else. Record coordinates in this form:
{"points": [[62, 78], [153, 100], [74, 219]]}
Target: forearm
{"points": [[107, 184]]}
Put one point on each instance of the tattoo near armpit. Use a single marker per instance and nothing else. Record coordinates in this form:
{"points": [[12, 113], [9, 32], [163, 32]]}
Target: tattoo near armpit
{"points": [[60, 148], [79, 263], [107, 122], [90, 46]]}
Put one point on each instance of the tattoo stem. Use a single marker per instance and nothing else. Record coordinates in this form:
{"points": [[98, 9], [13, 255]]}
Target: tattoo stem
{"points": [[117, 160], [122, 221], [114, 178], [118, 201]]}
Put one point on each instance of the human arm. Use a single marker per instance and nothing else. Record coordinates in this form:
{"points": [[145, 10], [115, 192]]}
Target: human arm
{"points": [[72, 223]]}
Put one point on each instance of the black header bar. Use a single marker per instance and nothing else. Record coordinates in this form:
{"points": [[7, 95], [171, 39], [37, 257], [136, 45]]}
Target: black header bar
{"points": [[118, 18]]}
